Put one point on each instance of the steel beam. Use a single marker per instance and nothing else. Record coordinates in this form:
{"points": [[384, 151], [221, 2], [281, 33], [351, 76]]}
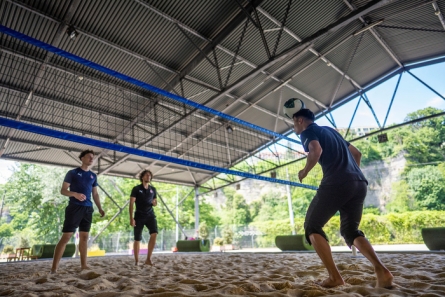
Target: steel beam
{"points": [[304, 43], [63, 25], [315, 52], [226, 31], [171, 214], [366, 99], [263, 38], [109, 196], [351, 58], [115, 46], [283, 23], [245, 61], [214, 118], [196, 208], [376, 35], [426, 85], [109, 222], [233, 63], [71, 104], [28, 151], [191, 175], [353, 116], [439, 14], [392, 100], [400, 125]]}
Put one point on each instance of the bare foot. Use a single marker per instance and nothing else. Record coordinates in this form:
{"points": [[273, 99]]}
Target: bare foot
{"points": [[384, 278], [148, 262], [85, 268], [53, 272], [330, 283]]}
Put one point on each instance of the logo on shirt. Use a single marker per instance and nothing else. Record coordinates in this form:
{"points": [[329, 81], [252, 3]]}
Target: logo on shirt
{"points": [[151, 191], [91, 176], [79, 174], [140, 191], [305, 141]]}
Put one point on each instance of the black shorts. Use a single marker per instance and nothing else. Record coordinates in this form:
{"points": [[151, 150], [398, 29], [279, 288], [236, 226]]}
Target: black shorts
{"points": [[141, 220], [347, 198], [77, 216]]}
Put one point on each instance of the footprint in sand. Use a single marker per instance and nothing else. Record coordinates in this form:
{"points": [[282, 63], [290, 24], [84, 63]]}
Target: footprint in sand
{"points": [[88, 275]]}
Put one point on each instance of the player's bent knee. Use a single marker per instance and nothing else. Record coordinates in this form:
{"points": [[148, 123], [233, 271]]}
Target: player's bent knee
{"points": [[351, 236], [309, 230]]}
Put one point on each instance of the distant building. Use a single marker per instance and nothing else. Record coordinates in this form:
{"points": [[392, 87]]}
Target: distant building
{"points": [[357, 131], [282, 155]]}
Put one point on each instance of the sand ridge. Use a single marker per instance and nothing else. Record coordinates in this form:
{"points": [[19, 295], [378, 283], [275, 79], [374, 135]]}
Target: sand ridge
{"points": [[223, 274]]}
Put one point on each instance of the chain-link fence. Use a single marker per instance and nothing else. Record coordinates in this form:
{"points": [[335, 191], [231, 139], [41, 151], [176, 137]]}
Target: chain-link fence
{"points": [[242, 236]]}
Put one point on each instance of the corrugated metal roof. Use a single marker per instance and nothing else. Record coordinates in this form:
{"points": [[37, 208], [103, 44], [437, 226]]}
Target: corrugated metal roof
{"points": [[127, 35]]}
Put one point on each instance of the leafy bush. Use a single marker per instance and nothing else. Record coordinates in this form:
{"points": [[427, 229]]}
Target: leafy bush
{"points": [[8, 249], [393, 228], [227, 234], [218, 241], [6, 230], [94, 248], [203, 230]]}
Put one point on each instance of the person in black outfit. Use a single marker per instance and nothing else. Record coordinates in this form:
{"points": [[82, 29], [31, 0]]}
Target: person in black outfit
{"points": [[343, 188], [144, 196]]}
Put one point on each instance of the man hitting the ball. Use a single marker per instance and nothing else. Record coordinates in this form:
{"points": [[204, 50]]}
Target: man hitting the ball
{"points": [[343, 188]]}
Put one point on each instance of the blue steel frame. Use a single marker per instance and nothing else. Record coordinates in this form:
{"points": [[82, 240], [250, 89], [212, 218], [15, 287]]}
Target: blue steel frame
{"points": [[362, 95]]}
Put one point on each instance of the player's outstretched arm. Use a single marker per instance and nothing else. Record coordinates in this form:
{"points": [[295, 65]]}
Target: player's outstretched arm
{"points": [[355, 153]]}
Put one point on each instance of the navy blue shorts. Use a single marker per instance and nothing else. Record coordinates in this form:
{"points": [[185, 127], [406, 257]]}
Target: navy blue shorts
{"points": [[77, 216], [347, 198], [147, 220]]}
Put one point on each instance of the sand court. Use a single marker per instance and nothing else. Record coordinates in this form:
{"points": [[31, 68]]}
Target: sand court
{"points": [[223, 274]]}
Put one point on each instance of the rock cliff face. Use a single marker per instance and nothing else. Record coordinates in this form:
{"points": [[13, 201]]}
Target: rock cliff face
{"points": [[380, 174], [253, 189]]}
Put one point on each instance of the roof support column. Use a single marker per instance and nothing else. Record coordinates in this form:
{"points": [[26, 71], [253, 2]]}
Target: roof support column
{"points": [[392, 99]]}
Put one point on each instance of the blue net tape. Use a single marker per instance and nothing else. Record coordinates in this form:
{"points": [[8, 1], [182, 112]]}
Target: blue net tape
{"points": [[133, 151], [134, 81]]}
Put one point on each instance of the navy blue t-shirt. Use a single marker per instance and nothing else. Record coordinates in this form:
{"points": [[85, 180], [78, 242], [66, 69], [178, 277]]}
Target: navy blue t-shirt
{"points": [[336, 160], [81, 182]]}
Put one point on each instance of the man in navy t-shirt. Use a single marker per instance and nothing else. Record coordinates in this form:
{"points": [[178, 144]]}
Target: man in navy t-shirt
{"points": [[144, 196], [79, 184], [343, 188]]}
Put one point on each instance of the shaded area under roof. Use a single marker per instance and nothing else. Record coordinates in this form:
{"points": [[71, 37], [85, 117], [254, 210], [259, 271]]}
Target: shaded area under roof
{"points": [[163, 42]]}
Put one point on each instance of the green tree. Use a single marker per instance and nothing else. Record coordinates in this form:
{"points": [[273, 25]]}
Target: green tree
{"points": [[402, 199], [274, 206], [6, 230], [301, 198], [235, 211], [424, 143], [369, 150], [423, 146], [428, 186]]}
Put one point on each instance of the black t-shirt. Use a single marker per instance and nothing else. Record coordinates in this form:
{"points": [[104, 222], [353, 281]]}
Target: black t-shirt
{"points": [[336, 160], [144, 198]]}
